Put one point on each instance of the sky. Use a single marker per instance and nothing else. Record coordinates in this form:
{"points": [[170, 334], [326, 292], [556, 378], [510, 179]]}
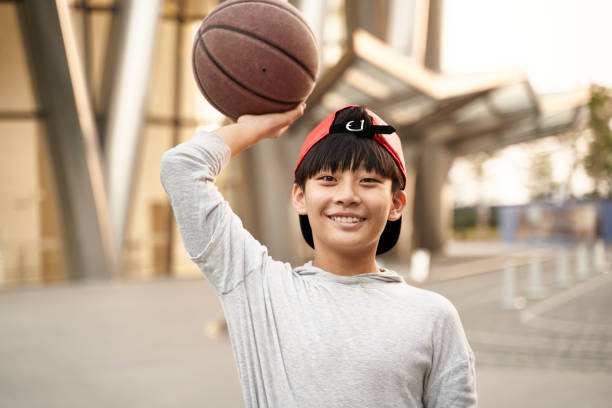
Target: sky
{"points": [[561, 45]]}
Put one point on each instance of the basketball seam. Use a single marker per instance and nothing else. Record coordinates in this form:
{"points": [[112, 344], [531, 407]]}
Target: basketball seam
{"points": [[200, 85], [276, 47], [295, 13], [241, 84]]}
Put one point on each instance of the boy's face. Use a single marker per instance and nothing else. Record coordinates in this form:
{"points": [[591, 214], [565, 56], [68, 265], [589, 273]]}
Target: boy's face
{"points": [[348, 210]]}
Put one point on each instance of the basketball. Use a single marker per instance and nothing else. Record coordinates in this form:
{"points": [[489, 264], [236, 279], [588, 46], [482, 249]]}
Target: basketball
{"points": [[255, 57]]}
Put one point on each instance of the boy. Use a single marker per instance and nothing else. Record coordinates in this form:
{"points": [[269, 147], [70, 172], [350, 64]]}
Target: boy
{"points": [[338, 331]]}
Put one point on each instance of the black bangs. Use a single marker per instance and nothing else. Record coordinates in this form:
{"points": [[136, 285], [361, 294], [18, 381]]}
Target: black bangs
{"points": [[345, 151]]}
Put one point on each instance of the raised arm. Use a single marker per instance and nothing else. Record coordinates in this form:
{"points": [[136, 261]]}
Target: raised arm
{"points": [[212, 234]]}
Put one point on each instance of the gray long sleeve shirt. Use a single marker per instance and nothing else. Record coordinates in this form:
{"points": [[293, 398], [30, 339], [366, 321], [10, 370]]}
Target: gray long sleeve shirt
{"points": [[304, 337]]}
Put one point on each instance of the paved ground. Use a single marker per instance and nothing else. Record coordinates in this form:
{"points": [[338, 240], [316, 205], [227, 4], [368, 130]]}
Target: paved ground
{"points": [[148, 344], [551, 352], [114, 345], [559, 357]]}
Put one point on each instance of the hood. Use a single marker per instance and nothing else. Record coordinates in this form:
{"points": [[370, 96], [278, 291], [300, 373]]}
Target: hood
{"points": [[384, 276]]}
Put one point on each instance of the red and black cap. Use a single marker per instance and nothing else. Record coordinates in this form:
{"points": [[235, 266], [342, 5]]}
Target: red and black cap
{"points": [[380, 131]]}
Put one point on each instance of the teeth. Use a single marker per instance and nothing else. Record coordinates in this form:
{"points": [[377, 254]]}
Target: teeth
{"points": [[347, 219]]}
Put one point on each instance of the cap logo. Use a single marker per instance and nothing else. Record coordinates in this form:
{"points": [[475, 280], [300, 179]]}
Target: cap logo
{"points": [[352, 129], [361, 128]]}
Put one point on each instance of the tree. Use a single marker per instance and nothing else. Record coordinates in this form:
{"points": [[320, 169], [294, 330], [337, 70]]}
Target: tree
{"points": [[598, 161], [483, 211], [571, 139], [541, 184]]}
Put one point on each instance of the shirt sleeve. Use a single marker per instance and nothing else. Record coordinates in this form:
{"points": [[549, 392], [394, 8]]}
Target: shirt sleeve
{"points": [[212, 234], [451, 381]]}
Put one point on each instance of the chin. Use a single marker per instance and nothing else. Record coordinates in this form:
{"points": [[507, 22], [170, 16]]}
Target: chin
{"points": [[352, 247]]}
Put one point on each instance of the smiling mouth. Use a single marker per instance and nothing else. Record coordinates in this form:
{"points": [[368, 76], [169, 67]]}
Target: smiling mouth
{"points": [[346, 220]]}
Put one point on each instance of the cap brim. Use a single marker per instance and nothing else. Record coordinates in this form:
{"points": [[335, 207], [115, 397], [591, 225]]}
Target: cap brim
{"points": [[388, 239]]}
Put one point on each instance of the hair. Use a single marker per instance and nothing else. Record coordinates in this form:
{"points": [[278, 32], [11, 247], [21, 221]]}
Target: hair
{"points": [[346, 151]]}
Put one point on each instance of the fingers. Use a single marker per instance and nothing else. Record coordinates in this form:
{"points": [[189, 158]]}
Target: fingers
{"points": [[276, 119], [271, 125], [287, 118], [291, 116], [296, 113], [276, 124]]}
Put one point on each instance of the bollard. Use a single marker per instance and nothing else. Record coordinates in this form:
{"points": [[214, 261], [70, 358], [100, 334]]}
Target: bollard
{"points": [[582, 267], [599, 257], [562, 268], [419, 265], [509, 299], [535, 289]]}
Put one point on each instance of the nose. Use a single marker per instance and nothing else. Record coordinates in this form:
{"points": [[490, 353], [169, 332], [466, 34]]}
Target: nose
{"points": [[346, 193]]}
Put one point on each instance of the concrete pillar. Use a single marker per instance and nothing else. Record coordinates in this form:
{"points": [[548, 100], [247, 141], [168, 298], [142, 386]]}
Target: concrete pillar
{"points": [[432, 207], [404, 246], [434, 35], [407, 27], [270, 180], [315, 11], [71, 136], [127, 109], [372, 16]]}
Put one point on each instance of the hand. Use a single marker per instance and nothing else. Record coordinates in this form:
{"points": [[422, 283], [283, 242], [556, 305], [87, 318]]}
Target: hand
{"points": [[271, 125], [249, 129]]}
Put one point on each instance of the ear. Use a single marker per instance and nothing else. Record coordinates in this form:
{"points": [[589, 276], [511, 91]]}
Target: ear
{"points": [[398, 204], [298, 199]]}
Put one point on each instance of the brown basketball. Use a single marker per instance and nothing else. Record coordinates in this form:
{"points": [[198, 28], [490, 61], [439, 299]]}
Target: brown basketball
{"points": [[255, 56]]}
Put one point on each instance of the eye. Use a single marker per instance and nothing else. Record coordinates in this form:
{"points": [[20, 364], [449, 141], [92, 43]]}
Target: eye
{"points": [[326, 178], [370, 180]]}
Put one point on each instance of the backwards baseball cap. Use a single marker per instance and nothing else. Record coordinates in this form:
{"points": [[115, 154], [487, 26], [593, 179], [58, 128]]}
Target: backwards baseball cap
{"points": [[382, 133]]}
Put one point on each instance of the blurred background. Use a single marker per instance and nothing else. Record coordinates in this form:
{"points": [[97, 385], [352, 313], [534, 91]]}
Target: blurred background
{"points": [[505, 113]]}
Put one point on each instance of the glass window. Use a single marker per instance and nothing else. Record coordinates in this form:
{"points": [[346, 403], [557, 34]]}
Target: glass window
{"points": [[146, 245], [17, 96], [30, 234], [30, 240], [161, 91]]}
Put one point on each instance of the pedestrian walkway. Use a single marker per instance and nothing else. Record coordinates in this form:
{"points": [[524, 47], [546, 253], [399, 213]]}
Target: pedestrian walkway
{"points": [[554, 350], [575, 334]]}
